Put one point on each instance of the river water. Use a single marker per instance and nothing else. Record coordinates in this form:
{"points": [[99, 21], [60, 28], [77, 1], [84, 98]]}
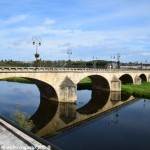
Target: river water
{"points": [[99, 120]]}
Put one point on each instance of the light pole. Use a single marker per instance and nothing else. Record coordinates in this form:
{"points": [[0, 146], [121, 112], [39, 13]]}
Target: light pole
{"points": [[112, 60], [37, 42], [117, 57], [69, 52], [118, 61], [94, 61]]}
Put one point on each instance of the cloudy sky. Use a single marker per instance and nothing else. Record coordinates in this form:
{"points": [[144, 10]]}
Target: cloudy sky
{"points": [[99, 28]]}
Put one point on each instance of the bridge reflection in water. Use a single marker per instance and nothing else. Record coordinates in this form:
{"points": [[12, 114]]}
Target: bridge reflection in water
{"points": [[52, 117]]}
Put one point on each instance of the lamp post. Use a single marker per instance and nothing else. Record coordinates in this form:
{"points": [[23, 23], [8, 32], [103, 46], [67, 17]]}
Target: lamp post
{"points": [[94, 61], [37, 42], [118, 61], [117, 57], [112, 60], [146, 64], [69, 52]]}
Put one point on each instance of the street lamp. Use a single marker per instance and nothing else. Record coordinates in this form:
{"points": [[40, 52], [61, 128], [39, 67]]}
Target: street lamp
{"points": [[69, 52], [118, 61], [37, 42], [117, 57], [94, 61]]}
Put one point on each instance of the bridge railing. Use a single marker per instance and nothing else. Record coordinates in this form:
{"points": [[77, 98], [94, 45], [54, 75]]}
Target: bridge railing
{"points": [[53, 69]]}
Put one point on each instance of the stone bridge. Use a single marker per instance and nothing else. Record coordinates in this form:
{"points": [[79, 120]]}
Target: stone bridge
{"points": [[61, 83]]}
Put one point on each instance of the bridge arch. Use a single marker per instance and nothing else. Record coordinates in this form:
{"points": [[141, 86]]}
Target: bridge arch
{"points": [[98, 82], [45, 89], [143, 78], [126, 79]]}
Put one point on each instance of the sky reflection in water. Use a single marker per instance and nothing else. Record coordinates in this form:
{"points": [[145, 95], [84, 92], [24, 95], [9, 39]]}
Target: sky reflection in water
{"points": [[11, 94], [128, 130], [131, 132]]}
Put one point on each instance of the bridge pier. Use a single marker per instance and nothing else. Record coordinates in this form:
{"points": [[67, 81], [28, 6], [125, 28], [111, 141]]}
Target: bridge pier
{"points": [[137, 80], [68, 91], [148, 79], [115, 84]]}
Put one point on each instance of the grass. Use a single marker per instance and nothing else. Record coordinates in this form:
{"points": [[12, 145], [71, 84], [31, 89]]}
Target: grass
{"points": [[20, 80], [85, 80], [142, 90], [85, 84]]}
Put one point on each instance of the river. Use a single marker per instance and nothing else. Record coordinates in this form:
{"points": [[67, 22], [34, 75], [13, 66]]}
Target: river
{"points": [[99, 120]]}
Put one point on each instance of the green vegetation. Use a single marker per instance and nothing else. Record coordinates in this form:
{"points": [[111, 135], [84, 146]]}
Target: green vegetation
{"points": [[22, 119], [58, 63], [142, 90], [85, 84], [20, 80], [85, 81]]}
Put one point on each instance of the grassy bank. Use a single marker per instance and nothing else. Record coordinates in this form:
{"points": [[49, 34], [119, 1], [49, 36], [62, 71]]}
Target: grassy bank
{"points": [[20, 80], [85, 80], [142, 90], [85, 84]]}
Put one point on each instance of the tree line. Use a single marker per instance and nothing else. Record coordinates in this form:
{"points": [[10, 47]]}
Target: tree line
{"points": [[57, 63]]}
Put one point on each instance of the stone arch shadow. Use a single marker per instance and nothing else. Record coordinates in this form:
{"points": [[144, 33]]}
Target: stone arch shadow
{"points": [[97, 82], [99, 96], [46, 90], [98, 100], [143, 78], [48, 104], [126, 79]]}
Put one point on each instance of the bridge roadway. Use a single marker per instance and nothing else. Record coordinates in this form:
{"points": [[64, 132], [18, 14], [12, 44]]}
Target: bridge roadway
{"points": [[61, 83]]}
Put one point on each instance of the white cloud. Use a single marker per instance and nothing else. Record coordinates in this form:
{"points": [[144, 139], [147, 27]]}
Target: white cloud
{"points": [[48, 22], [146, 53], [14, 19], [55, 38]]}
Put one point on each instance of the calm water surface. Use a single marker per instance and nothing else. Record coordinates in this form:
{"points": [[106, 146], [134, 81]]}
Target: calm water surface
{"points": [[126, 128]]}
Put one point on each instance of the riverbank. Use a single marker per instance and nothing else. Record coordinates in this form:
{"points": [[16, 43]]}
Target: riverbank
{"points": [[85, 84], [19, 80], [142, 90]]}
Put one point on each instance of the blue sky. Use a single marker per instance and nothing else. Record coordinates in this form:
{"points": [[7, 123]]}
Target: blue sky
{"points": [[89, 27]]}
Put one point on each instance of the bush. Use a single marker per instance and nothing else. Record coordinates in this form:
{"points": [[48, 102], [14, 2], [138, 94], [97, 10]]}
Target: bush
{"points": [[22, 119]]}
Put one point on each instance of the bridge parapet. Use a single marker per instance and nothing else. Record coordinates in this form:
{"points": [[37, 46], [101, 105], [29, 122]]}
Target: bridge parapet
{"points": [[54, 69]]}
